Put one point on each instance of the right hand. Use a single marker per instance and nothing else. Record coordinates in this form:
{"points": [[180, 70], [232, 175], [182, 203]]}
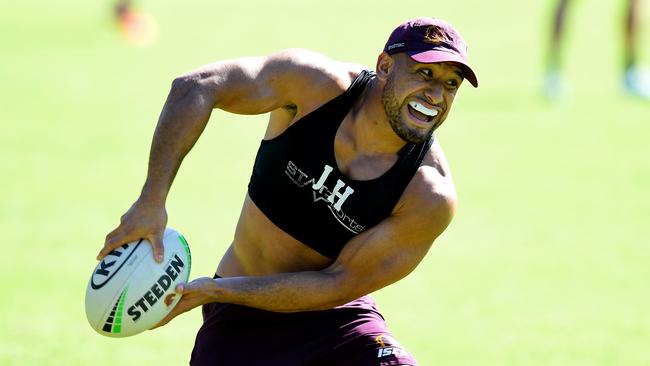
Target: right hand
{"points": [[142, 221], [195, 293]]}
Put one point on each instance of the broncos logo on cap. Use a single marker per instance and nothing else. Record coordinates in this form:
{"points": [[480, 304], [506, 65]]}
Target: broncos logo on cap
{"points": [[439, 37], [435, 35]]}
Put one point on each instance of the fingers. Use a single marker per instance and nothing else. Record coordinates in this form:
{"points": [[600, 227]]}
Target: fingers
{"points": [[199, 285], [114, 239], [144, 220], [186, 288], [183, 288], [158, 247], [121, 236], [117, 237], [113, 234], [178, 309], [193, 294]]}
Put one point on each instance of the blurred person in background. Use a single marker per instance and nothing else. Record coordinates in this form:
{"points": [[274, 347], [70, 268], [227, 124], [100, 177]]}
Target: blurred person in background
{"points": [[139, 29], [348, 192], [636, 79]]}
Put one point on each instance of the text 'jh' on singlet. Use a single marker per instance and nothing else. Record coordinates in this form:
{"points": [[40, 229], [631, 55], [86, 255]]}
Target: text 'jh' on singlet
{"points": [[297, 185]]}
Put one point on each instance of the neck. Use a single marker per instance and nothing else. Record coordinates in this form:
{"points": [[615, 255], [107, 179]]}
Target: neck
{"points": [[370, 129]]}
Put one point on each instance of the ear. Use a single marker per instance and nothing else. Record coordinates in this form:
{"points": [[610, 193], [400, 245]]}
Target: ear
{"points": [[385, 63]]}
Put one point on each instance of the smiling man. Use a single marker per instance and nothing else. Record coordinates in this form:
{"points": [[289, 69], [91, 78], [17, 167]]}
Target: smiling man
{"points": [[348, 192]]}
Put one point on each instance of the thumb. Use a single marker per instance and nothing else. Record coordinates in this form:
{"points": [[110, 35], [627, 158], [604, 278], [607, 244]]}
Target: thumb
{"points": [[184, 288], [158, 247]]}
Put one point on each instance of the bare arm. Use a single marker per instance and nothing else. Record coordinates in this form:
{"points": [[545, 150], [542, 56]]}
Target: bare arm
{"points": [[251, 85], [374, 259]]}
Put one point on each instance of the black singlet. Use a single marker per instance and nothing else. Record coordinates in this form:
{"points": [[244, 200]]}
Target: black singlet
{"points": [[297, 185]]}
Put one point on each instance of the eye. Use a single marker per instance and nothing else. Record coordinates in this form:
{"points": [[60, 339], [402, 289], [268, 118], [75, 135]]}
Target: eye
{"points": [[453, 83], [426, 73]]}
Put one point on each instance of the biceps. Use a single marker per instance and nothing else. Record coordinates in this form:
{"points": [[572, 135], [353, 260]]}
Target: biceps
{"points": [[380, 257], [253, 86], [244, 86]]}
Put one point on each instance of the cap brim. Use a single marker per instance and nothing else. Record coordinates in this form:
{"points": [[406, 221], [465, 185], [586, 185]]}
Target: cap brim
{"points": [[433, 56]]}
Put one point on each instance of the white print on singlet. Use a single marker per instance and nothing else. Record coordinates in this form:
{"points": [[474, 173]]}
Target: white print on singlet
{"points": [[334, 198]]}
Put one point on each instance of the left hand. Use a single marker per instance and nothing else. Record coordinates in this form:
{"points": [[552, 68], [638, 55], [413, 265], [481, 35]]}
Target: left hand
{"points": [[194, 293]]}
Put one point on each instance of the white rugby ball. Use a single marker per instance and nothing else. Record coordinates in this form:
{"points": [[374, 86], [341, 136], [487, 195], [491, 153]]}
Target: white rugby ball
{"points": [[129, 292]]}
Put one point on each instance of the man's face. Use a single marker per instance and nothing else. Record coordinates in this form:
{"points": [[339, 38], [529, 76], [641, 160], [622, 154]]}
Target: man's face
{"points": [[417, 97]]}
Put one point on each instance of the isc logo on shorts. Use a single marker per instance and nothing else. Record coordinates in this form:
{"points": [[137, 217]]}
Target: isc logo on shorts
{"points": [[394, 348], [383, 352]]}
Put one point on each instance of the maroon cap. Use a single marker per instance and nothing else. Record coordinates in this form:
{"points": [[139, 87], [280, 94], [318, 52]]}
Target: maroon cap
{"points": [[429, 40]]}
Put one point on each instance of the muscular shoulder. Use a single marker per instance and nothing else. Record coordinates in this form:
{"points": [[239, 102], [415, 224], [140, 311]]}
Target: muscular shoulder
{"points": [[431, 194], [309, 78]]}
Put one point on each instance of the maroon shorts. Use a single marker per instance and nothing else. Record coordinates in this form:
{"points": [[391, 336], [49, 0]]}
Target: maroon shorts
{"points": [[354, 334]]}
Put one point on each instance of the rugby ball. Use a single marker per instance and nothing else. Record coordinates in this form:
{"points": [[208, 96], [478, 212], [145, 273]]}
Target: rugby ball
{"points": [[129, 292]]}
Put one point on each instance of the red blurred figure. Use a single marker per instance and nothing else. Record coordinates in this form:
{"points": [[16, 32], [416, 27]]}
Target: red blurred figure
{"points": [[138, 28]]}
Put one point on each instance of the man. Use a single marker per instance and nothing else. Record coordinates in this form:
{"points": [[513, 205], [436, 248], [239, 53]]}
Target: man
{"points": [[347, 195], [636, 80]]}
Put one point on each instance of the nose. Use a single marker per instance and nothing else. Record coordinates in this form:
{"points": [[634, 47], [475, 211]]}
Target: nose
{"points": [[433, 93]]}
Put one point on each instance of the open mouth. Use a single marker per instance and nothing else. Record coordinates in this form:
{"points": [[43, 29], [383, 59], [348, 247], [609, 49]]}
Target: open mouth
{"points": [[421, 112]]}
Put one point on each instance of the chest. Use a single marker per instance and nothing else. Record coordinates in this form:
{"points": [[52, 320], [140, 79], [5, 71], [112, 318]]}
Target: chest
{"points": [[357, 165]]}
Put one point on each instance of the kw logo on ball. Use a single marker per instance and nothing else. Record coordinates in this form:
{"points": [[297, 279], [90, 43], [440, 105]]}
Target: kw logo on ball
{"points": [[157, 290], [105, 272]]}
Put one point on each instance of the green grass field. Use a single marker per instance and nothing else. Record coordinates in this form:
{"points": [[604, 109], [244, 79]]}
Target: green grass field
{"points": [[546, 263]]}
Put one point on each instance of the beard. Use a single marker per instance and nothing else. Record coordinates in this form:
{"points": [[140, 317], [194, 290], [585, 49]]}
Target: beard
{"points": [[393, 110]]}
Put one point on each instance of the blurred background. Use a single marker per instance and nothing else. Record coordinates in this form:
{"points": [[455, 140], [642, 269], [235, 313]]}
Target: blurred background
{"points": [[546, 263]]}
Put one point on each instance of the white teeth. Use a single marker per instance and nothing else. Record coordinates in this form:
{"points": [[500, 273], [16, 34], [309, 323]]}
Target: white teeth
{"points": [[422, 109]]}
